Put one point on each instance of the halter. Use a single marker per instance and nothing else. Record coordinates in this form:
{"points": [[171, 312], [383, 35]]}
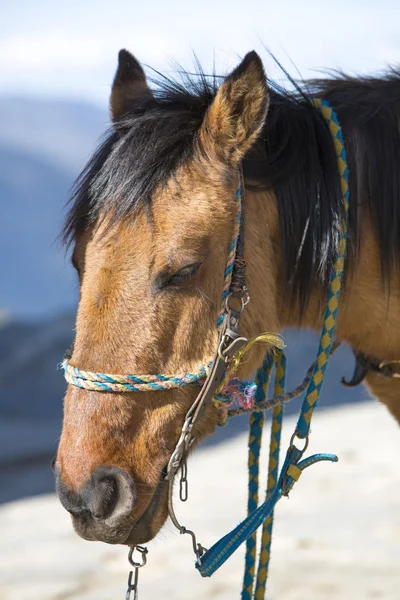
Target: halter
{"points": [[219, 385]]}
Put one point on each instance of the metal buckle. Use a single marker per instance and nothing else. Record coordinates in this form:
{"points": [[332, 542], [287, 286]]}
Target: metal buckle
{"points": [[226, 352], [285, 489]]}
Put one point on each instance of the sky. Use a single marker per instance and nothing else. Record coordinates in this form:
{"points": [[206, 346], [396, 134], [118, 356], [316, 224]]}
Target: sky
{"points": [[69, 49]]}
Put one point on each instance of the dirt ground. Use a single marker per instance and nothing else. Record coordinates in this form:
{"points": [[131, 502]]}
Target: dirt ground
{"points": [[336, 538]]}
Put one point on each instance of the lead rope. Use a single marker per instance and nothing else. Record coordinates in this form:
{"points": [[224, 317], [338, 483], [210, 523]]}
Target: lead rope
{"points": [[335, 284], [274, 448], [293, 466], [256, 423], [326, 348]]}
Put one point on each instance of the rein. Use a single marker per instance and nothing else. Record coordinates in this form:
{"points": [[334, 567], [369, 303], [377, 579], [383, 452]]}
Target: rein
{"points": [[219, 385]]}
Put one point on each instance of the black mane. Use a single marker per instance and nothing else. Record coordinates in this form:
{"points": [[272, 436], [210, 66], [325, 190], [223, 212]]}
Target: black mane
{"points": [[294, 156]]}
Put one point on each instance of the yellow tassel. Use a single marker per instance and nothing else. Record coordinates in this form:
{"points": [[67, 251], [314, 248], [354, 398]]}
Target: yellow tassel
{"points": [[273, 339]]}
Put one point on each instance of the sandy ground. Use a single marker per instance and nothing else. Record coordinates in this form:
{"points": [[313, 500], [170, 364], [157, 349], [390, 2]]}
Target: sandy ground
{"points": [[336, 538]]}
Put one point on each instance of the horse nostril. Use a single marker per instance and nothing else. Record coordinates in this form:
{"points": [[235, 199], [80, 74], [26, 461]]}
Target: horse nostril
{"points": [[103, 497], [110, 491]]}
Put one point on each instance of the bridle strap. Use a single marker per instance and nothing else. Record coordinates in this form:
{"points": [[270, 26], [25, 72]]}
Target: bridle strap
{"points": [[367, 364], [229, 343], [238, 283]]}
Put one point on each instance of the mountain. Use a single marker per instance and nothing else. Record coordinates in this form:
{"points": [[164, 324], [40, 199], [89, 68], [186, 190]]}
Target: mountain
{"points": [[43, 146], [31, 392], [37, 275], [62, 132]]}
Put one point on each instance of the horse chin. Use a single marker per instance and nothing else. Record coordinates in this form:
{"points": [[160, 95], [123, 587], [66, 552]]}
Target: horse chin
{"points": [[151, 521]]}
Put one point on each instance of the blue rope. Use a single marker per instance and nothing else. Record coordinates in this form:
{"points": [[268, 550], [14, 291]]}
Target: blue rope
{"points": [[219, 553]]}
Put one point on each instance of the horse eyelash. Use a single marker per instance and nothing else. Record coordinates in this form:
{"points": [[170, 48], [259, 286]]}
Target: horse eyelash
{"points": [[179, 277]]}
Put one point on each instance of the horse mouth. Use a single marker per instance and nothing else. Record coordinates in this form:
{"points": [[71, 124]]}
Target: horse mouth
{"points": [[150, 522]]}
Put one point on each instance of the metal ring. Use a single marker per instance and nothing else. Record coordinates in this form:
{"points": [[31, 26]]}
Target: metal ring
{"points": [[306, 442], [143, 551], [244, 298]]}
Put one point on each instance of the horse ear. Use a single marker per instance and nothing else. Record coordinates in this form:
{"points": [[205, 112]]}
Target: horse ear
{"points": [[129, 85], [238, 111]]}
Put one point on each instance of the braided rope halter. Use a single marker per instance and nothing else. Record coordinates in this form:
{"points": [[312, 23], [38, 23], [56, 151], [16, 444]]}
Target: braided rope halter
{"points": [[219, 385]]}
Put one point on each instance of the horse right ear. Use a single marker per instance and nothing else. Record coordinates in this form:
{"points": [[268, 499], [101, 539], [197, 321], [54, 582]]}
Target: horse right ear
{"points": [[129, 85], [237, 114]]}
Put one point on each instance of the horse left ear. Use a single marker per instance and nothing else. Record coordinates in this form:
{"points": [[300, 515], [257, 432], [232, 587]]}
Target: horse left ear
{"points": [[238, 111], [129, 85]]}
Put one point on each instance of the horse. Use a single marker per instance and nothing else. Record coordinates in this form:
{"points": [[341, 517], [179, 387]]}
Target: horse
{"points": [[151, 220]]}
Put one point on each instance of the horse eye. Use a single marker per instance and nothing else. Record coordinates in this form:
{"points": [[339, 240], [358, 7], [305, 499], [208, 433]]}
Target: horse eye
{"points": [[183, 275]]}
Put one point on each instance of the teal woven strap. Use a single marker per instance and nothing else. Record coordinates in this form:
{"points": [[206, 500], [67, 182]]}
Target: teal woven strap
{"points": [[335, 284], [255, 438], [219, 553], [273, 474]]}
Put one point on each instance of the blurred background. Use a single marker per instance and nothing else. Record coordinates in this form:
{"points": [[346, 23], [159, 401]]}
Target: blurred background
{"points": [[57, 61]]}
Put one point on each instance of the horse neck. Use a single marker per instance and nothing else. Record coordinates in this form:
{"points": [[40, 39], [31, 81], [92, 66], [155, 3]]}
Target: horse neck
{"points": [[368, 318]]}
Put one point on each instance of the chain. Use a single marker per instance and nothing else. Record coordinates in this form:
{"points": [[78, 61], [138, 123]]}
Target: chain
{"points": [[183, 482], [134, 575]]}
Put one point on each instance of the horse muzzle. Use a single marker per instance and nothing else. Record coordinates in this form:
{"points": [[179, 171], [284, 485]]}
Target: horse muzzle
{"points": [[103, 509]]}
